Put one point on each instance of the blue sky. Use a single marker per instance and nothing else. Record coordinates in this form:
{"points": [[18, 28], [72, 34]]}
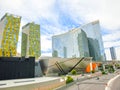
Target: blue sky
{"points": [[58, 16]]}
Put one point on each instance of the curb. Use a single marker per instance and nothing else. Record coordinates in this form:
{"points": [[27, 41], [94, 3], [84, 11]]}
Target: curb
{"points": [[109, 84], [81, 79]]}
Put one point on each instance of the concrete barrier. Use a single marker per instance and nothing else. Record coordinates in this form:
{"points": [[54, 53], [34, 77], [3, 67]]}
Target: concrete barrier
{"points": [[43, 83]]}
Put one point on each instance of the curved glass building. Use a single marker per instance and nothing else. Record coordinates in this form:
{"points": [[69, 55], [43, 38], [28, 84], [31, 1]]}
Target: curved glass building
{"points": [[95, 42], [85, 41], [70, 44]]}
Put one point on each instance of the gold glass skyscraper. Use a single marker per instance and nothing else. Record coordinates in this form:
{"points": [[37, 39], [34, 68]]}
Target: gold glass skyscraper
{"points": [[9, 32], [31, 40]]}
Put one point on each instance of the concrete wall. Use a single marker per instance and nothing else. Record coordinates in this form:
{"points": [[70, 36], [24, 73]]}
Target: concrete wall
{"points": [[16, 68], [45, 83]]}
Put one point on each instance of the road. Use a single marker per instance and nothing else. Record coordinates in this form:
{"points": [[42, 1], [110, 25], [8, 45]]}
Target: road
{"points": [[116, 84], [96, 84]]}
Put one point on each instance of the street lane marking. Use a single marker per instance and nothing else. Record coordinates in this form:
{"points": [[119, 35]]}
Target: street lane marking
{"points": [[92, 83]]}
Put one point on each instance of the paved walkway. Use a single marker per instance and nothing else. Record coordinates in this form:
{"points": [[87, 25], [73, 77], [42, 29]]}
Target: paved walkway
{"points": [[20, 82], [93, 84], [115, 85]]}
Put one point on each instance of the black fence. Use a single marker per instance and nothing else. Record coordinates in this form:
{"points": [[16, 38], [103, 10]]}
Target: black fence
{"points": [[16, 67]]}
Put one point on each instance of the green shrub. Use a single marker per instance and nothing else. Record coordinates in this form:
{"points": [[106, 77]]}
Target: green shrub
{"points": [[69, 79], [73, 72], [111, 69], [104, 72], [117, 66], [93, 71]]}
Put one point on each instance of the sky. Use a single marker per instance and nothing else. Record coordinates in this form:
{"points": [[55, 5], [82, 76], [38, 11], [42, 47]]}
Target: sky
{"points": [[59, 16]]}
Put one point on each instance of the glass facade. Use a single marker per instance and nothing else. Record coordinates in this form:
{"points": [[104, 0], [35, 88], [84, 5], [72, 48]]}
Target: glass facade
{"points": [[113, 54], [71, 44], [94, 40], [9, 32], [84, 41], [31, 40]]}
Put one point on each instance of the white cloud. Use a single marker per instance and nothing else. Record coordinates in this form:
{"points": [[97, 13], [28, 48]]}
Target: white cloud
{"points": [[108, 55], [111, 44], [46, 54], [46, 40], [19, 44], [113, 36], [53, 30], [7, 4], [112, 39], [46, 44], [29, 9], [107, 11]]}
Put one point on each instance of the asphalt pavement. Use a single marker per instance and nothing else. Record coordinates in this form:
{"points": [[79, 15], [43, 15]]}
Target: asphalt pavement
{"points": [[98, 83], [116, 84]]}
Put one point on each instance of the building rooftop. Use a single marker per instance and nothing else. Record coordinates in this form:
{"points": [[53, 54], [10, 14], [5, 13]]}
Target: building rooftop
{"points": [[75, 29], [8, 14], [28, 24]]}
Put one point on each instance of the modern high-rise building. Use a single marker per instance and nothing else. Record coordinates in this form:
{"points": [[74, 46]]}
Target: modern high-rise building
{"points": [[95, 42], [70, 44], [80, 42], [113, 54], [117, 51], [9, 32], [31, 40]]}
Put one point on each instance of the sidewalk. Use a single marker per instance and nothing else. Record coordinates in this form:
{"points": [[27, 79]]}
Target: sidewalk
{"points": [[79, 78], [41, 83], [89, 82]]}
